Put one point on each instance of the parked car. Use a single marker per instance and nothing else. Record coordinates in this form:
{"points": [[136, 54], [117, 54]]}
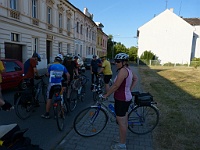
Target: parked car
{"points": [[13, 74]]}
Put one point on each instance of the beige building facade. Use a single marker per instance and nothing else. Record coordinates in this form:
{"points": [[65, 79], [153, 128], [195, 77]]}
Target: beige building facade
{"points": [[47, 27]]}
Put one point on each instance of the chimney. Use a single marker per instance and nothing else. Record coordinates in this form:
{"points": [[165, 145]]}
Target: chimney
{"points": [[171, 9]]}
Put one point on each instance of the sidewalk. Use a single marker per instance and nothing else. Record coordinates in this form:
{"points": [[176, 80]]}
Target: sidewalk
{"points": [[104, 140]]}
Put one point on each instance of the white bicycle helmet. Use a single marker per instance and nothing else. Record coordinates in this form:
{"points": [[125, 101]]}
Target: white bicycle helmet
{"points": [[59, 57], [122, 56]]}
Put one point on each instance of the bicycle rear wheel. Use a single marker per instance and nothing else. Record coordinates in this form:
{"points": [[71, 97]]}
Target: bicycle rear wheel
{"points": [[73, 100], [44, 93], [59, 115], [90, 121], [23, 109], [143, 119]]}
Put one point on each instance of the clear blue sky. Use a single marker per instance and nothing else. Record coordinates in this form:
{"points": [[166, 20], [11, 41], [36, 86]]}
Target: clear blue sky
{"points": [[122, 18]]}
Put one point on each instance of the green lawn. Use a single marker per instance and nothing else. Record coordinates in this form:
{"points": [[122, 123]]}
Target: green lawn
{"points": [[177, 92]]}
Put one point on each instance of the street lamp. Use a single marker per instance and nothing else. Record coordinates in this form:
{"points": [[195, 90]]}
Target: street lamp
{"points": [[113, 46]]}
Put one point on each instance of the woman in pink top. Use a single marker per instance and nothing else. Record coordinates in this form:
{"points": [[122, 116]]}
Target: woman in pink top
{"points": [[122, 87]]}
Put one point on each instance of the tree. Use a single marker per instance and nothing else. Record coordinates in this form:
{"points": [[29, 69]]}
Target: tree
{"points": [[109, 46], [133, 53]]}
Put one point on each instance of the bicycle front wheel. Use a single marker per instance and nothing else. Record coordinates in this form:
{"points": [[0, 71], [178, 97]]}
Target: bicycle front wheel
{"points": [[23, 109], [73, 100], [90, 121], [95, 96], [59, 115], [143, 119]]}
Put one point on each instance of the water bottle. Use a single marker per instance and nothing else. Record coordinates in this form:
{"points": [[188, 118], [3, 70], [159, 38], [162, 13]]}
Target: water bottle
{"points": [[111, 107]]}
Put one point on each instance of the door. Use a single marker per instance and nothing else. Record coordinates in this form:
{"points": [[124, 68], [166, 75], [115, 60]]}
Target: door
{"points": [[13, 51], [48, 51]]}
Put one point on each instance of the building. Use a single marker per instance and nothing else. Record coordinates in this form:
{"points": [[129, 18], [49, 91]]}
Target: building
{"points": [[102, 40], [47, 27], [170, 38]]}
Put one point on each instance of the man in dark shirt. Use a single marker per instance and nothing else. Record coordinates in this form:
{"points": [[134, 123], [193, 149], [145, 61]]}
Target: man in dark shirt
{"points": [[94, 67]]}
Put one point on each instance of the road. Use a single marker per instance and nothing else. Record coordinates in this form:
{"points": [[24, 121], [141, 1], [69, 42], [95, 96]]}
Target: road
{"points": [[44, 132]]}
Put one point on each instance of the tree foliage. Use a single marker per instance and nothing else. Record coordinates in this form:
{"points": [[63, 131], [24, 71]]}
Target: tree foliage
{"points": [[148, 55], [120, 48]]}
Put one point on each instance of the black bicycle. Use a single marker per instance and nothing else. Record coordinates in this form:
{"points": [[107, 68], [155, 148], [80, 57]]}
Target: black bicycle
{"points": [[59, 106], [26, 101], [99, 87], [143, 116]]}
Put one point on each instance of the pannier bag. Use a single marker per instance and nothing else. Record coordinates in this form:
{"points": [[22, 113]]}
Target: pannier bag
{"points": [[142, 99]]}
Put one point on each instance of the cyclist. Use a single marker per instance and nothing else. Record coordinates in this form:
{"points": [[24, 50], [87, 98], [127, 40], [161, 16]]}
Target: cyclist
{"points": [[77, 66], [124, 83], [94, 67], [55, 72], [3, 104], [71, 67], [30, 69], [106, 69]]}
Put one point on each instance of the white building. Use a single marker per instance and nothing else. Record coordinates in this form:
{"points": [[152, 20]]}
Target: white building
{"points": [[170, 38], [47, 27]]}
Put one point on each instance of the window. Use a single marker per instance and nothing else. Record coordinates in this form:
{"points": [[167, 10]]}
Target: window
{"points": [[11, 66], [81, 30], [59, 47], [68, 48], [48, 15], [76, 50], [81, 50], [87, 32], [15, 37], [34, 8], [35, 44], [68, 24], [13, 4], [60, 20], [77, 27]]}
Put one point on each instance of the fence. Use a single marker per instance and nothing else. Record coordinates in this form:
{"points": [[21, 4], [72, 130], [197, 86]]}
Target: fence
{"points": [[157, 63]]}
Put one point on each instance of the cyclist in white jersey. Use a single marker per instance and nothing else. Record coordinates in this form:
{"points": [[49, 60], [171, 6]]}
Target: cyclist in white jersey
{"points": [[55, 73]]}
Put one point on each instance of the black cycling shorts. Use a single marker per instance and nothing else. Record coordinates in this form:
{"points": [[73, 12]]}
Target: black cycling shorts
{"points": [[121, 107], [107, 78]]}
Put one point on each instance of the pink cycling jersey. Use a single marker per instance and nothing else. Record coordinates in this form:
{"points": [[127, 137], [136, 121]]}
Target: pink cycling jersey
{"points": [[123, 93]]}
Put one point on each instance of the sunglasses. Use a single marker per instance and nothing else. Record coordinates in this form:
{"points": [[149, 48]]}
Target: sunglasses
{"points": [[117, 61]]}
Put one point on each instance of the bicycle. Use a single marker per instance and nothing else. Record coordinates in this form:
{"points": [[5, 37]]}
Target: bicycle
{"points": [[143, 116], [59, 107], [99, 87], [78, 89], [25, 100]]}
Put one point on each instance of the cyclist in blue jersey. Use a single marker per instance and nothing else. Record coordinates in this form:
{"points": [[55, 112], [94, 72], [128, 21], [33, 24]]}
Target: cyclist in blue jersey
{"points": [[55, 73]]}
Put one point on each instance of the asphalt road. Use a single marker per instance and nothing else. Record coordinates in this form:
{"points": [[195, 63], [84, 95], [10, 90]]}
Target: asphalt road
{"points": [[44, 132]]}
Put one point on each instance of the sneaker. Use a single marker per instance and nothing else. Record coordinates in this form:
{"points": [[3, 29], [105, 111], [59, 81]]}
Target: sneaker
{"points": [[118, 147], [46, 116]]}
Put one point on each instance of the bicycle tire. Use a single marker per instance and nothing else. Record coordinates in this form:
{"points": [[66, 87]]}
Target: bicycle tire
{"points": [[44, 93], [90, 121], [143, 119], [95, 96], [73, 100], [59, 115], [66, 103], [23, 110], [84, 79]]}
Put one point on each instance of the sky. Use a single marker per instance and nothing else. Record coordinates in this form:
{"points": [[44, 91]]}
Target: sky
{"points": [[122, 18]]}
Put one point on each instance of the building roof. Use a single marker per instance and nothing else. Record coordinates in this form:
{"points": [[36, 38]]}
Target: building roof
{"points": [[192, 21]]}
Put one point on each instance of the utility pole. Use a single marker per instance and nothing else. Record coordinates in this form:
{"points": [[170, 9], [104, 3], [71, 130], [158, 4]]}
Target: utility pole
{"points": [[166, 3]]}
